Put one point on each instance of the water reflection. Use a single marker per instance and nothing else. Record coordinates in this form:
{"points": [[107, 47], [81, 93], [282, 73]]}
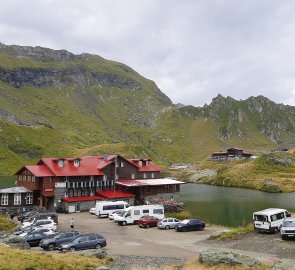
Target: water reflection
{"points": [[231, 206]]}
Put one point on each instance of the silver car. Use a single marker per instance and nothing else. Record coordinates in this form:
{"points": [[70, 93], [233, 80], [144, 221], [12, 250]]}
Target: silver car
{"points": [[288, 228], [168, 223]]}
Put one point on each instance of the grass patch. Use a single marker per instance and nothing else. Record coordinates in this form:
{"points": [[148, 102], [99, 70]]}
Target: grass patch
{"points": [[15, 259], [6, 224], [234, 233]]}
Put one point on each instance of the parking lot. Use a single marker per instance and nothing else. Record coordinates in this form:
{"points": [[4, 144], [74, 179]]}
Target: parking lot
{"points": [[132, 240]]}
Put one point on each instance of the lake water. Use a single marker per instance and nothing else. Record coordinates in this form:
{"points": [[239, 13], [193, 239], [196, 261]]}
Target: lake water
{"points": [[231, 206]]}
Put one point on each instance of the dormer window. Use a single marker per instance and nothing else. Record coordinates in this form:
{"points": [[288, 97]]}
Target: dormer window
{"points": [[140, 163], [61, 163], [77, 163], [148, 163]]}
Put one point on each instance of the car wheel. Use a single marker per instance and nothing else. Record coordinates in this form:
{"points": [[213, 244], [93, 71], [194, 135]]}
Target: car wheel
{"points": [[184, 230], [284, 237], [124, 223], [51, 247], [167, 227], [276, 230], [72, 249], [147, 226], [98, 246]]}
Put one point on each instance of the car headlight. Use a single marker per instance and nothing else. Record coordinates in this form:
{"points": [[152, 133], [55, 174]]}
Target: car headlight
{"points": [[283, 231]]}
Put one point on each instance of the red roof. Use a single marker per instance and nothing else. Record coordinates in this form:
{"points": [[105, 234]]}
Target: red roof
{"points": [[145, 168], [114, 194], [88, 166], [39, 170], [82, 199]]}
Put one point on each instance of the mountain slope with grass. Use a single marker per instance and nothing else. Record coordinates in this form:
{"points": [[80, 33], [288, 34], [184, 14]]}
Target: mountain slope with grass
{"points": [[55, 103]]}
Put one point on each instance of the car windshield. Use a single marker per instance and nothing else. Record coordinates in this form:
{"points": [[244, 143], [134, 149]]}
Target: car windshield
{"points": [[186, 221], [289, 223]]}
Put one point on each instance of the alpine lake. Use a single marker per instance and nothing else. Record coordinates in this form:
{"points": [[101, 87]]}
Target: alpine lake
{"points": [[230, 206]]}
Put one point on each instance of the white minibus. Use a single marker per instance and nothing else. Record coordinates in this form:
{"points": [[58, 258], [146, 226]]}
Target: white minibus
{"points": [[104, 208], [269, 220]]}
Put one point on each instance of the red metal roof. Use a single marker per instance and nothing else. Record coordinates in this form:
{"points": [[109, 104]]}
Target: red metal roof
{"points": [[82, 199], [145, 168], [88, 166], [39, 170], [114, 194]]}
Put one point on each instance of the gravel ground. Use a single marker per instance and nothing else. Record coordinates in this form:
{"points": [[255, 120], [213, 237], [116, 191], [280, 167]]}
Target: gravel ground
{"points": [[126, 262]]}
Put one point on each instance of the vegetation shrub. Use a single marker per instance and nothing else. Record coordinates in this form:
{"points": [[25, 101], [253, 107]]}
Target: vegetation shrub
{"points": [[180, 215], [6, 224]]}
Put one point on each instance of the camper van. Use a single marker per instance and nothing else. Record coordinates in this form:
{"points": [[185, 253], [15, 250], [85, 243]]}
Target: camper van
{"points": [[132, 214], [104, 208], [269, 220]]}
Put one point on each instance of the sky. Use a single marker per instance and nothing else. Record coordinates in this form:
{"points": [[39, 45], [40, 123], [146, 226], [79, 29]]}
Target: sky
{"points": [[193, 49]]}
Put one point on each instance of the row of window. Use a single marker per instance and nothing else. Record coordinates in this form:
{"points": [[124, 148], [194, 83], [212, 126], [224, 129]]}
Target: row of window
{"points": [[16, 198], [89, 184], [27, 177]]}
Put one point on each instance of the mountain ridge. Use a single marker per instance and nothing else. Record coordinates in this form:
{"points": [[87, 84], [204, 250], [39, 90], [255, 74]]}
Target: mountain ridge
{"points": [[56, 103]]}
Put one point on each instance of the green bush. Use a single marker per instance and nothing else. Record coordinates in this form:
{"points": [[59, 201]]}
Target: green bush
{"points": [[179, 215]]}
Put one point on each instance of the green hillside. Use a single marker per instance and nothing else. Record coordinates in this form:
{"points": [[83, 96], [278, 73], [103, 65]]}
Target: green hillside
{"points": [[55, 103]]}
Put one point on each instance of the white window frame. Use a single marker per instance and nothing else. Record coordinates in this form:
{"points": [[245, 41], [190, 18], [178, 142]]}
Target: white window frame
{"points": [[17, 199], [133, 176], [122, 164], [144, 175], [4, 199], [152, 175], [29, 198]]}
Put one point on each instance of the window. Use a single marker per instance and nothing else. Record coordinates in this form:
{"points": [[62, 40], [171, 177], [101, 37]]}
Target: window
{"points": [[121, 164], [133, 176], [144, 175], [136, 212], [105, 178], [92, 237], [139, 163], [17, 199], [158, 211], [4, 199], [153, 175], [77, 163], [148, 163], [60, 163], [145, 211], [29, 198]]}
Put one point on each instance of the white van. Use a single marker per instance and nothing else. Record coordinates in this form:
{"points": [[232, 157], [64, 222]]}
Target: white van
{"points": [[269, 220], [104, 208], [132, 214]]}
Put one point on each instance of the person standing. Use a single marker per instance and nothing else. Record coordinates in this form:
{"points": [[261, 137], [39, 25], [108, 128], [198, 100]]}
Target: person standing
{"points": [[72, 223]]}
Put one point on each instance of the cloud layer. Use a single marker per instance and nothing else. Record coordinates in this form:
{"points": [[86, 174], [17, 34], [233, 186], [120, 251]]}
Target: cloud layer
{"points": [[192, 49]]}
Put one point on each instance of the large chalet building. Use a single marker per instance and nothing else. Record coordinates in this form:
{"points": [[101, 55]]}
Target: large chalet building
{"points": [[75, 184], [230, 153]]}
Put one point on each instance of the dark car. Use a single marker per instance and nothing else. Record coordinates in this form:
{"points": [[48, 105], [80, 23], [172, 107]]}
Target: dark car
{"points": [[62, 237], [86, 241], [190, 225], [148, 221], [33, 239]]}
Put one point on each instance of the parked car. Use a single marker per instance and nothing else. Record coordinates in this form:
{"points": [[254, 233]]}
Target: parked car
{"points": [[115, 213], [168, 223], [190, 225], [32, 221], [34, 239], [270, 220], [44, 223], [92, 211], [62, 237], [148, 221], [87, 241], [47, 231], [288, 228]]}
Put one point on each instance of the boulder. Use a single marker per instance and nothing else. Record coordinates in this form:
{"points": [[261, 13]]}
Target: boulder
{"points": [[283, 264], [15, 241], [222, 256], [98, 253]]}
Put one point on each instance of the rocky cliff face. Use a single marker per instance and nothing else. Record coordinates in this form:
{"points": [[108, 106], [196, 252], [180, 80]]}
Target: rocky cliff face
{"points": [[55, 103]]}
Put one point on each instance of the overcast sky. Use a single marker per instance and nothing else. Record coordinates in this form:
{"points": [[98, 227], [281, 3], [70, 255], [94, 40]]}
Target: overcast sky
{"points": [[192, 49]]}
